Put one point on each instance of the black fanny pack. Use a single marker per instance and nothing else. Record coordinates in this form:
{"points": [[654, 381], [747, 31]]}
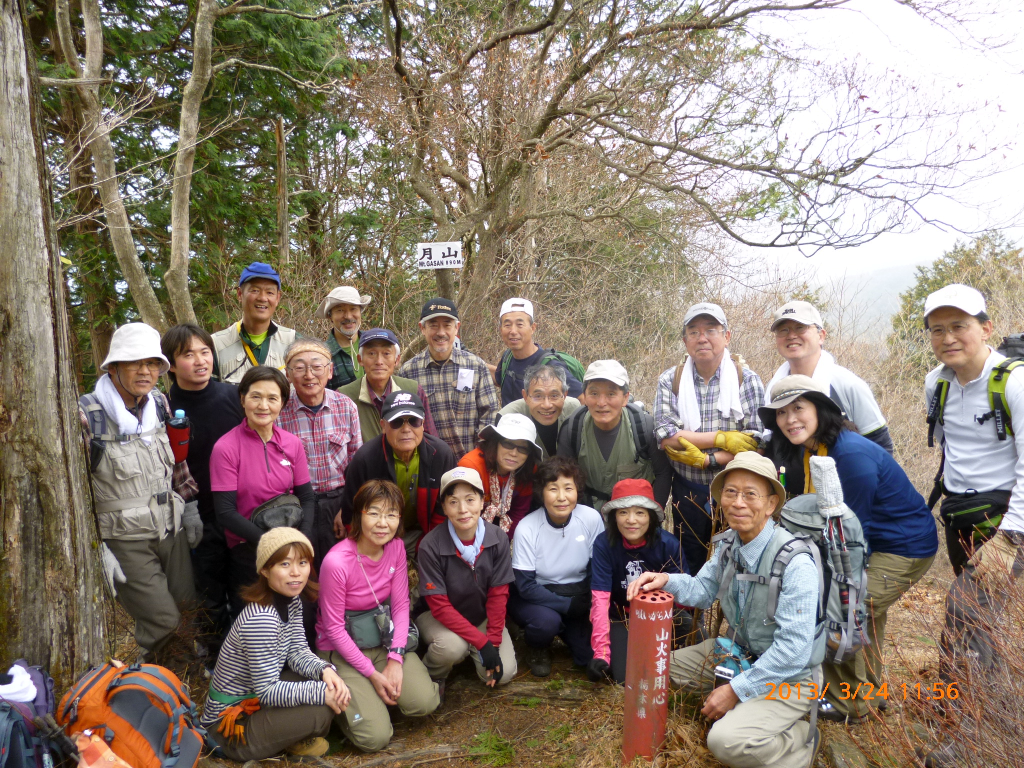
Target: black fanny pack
{"points": [[570, 590], [282, 511], [979, 512]]}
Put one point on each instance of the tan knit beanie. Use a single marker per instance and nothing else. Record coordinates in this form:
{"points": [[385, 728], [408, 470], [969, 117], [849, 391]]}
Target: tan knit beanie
{"points": [[274, 539], [306, 345]]}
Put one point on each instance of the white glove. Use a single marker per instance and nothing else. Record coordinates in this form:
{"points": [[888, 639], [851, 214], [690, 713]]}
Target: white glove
{"points": [[827, 486], [111, 569], [192, 523]]}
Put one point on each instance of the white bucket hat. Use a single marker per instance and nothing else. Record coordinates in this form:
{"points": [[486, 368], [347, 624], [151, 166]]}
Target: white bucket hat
{"points": [[344, 294], [514, 426], [135, 341]]}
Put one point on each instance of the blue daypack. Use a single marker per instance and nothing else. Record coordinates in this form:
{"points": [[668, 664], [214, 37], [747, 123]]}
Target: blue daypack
{"points": [[21, 745]]}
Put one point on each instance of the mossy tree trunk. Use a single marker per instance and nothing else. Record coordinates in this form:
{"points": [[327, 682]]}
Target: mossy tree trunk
{"points": [[51, 595]]}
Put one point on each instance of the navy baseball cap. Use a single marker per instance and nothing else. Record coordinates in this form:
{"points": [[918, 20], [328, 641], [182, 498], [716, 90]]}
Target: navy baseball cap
{"points": [[377, 334], [439, 308], [259, 271], [399, 404]]}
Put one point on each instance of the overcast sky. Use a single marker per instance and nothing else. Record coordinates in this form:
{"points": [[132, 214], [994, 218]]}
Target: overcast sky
{"points": [[887, 36]]}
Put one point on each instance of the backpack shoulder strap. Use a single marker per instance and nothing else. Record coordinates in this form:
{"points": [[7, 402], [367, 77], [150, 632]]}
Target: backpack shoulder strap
{"points": [[677, 377], [97, 417], [997, 396], [503, 364], [641, 442], [740, 364], [575, 427], [938, 404], [726, 561], [789, 550]]}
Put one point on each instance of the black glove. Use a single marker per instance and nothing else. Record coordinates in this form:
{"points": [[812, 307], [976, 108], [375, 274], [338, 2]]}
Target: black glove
{"points": [[579, 607], [491, 660], [598, 670]]}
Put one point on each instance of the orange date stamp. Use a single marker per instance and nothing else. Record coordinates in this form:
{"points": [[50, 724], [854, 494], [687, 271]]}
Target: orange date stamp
{"points": [[865, 691]]}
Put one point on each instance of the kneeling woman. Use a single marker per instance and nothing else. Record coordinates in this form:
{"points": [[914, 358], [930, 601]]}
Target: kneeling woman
{"points": [[364, 620], [551, 562], [269, 692], [506, 458], [898, 526], [465, 569], [634, 542]]}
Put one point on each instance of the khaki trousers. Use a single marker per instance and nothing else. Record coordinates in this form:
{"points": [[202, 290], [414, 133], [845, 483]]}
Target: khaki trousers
{"points": [[271, 730], [159, 580], [367, 722], [755, 733], [445, 649], [889, 576]]}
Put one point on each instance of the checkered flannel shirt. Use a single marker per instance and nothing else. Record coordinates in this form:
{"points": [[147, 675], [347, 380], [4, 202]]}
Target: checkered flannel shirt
{"points": [[666, 412], [459, 416], [331, 436]]}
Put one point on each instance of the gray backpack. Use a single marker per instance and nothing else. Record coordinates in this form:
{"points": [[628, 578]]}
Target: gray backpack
{"points": [[839, 540]]}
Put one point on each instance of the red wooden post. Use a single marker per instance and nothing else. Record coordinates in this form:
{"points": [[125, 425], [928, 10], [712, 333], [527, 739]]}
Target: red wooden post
{"points": [[647, 658]]}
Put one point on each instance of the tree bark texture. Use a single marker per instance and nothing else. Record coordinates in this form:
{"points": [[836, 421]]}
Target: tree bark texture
{"points": [[98, 128], [284, 235], [51, 595], [176, 277]]}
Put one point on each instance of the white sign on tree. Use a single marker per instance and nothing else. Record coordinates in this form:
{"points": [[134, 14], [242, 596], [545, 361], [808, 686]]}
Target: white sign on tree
{"points": [[439, 255]]}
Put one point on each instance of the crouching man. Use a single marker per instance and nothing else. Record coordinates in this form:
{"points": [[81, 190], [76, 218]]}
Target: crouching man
{"points": [[749, 727]]}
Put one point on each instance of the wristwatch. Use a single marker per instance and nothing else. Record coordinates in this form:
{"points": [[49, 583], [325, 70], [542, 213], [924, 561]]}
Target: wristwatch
{"points": [[399, 651], [713, 461]]}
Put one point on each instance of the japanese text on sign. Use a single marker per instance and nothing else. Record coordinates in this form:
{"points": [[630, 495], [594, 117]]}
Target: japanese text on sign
{"points": [[439, 255]]}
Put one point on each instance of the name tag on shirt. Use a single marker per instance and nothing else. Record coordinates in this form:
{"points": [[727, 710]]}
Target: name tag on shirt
{"points": [[465, 380]]}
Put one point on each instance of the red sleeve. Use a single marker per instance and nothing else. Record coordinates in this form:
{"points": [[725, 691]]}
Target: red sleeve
{"points": [[442, 609], [497, 599]]}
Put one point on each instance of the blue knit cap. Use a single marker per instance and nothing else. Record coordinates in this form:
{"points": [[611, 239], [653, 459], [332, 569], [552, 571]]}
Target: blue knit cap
{"points": [[259, 270]]}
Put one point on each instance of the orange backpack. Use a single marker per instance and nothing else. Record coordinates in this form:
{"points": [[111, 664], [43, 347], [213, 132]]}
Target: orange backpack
{"points": [[143, 712]]}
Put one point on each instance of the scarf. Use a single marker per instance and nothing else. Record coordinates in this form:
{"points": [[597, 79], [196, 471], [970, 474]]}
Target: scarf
{"points": [[500, 503], [469, 552], [808, 482], [127, 422], [728, 404], [822, 374]]}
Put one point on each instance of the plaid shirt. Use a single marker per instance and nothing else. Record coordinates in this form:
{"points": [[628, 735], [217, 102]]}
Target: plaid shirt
{"points": [[330, 436], [666, 412], [459, 416], [346, 368]]}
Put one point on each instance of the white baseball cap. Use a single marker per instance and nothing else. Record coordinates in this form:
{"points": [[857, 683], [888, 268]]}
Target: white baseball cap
{"points": [[607, 370], [705, 308], [957, 295], [799, 312], [516, 305], [514, 426]]}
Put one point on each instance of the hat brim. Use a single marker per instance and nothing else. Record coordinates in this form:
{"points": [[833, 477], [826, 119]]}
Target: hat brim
{"points": [[457, 480], [490, 429], [795, 319], [163, 368], [768, 412], [324, 310], [634, 501], [719, 481], [404, 412], [439, 314]]}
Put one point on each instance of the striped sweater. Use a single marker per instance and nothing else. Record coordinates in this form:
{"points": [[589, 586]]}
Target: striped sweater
{"points": [[261, 641]]}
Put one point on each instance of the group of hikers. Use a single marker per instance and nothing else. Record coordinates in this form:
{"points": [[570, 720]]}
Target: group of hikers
{"points": [[530, 495]]}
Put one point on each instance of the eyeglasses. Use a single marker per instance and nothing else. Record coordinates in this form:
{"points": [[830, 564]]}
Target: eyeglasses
{"points": [[413, 421], [709, 333], [301, 368], [375, 517], [508, 445], [957, 329], [748, 496], [542, 398], [138, 365], [797, 330]]}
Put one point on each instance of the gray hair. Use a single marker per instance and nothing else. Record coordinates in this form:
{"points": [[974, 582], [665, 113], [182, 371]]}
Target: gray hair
{"points": [[542, 371]]}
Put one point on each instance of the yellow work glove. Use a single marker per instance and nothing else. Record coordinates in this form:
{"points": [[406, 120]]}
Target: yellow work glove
{"points": [[735, 442], [690, 454]]}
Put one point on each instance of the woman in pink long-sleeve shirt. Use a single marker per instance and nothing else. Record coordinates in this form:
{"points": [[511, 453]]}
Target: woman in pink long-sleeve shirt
{"points": [[367, 572]]}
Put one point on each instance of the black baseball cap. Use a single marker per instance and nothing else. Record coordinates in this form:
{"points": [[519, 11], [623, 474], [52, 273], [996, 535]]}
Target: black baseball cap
{"points": [[377, 334], [439, 308], [399, 404]]}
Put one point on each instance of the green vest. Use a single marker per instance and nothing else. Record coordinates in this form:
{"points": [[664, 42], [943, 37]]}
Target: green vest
{"points": [[602, 475], [358, 392], [755, 627]]}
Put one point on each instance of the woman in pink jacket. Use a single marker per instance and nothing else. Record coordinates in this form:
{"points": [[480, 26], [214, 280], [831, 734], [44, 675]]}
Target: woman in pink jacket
{"points": [[363, 627]]}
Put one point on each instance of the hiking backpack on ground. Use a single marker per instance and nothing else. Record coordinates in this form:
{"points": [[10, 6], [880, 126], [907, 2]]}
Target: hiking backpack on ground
{"points": [[22, 743], [143, 711]]}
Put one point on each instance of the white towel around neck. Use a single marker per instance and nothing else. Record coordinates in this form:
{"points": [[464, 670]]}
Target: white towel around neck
{"points": [[728, 394], [127, 423], [822, 374]]}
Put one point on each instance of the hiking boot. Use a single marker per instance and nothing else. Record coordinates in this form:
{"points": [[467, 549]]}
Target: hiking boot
{"points": [[539, 660], [440, 689], [312, 747], [828, 711], [943, 756]]}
